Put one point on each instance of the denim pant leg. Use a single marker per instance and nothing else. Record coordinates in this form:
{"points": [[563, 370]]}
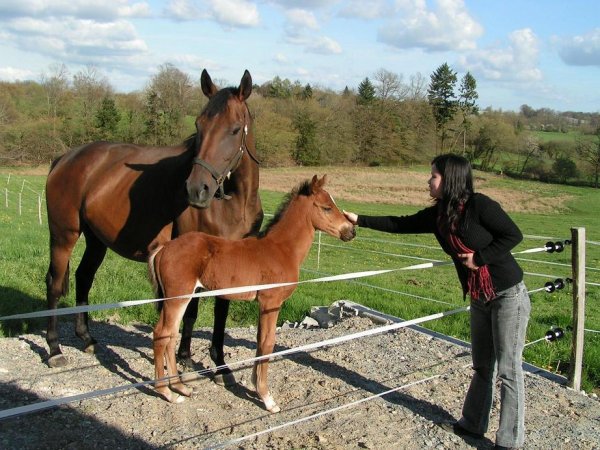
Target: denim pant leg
{"points": [[498, 336], [478, 402], [510, 315]]}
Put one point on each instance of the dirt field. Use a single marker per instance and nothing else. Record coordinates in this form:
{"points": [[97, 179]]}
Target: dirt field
{"points": [[400, 186], [303, 384]]}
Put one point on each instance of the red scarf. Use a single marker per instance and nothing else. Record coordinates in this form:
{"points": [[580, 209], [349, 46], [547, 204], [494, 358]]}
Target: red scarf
{"points": [[479, 282]]}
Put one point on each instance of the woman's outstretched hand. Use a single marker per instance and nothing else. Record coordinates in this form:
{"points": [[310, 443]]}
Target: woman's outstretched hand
{"points": [[351, 217]]}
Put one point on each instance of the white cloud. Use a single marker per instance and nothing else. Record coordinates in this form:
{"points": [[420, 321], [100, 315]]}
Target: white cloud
{"points": [[182, 10], [365, 9], [235, 13], [448, 27], [301, 18], [76, 40], [227, 13], [280, 58], [84, 9], [14, 74], [517, 62], [304, 4], [324, 46], [582, 50]]}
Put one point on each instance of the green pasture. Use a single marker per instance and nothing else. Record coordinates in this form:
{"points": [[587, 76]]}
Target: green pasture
{"points": [[407, 294]]}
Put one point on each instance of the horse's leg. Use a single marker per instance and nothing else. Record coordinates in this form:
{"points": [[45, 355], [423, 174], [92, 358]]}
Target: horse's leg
{"points": [[184, 353], [165, 337], [268, 313], [57, 284], [93, 256], [160, 341], [224, 375]]}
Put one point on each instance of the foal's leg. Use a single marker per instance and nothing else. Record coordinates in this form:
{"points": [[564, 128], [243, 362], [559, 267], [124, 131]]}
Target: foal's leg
{"points": [[57, 285], [185, 347], [165, 337], [224, 375], [93, 256], [268, 313]]}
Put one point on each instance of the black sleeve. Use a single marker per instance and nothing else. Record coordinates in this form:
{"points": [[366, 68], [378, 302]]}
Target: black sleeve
{"points": [[421, 222], [506, 234]]}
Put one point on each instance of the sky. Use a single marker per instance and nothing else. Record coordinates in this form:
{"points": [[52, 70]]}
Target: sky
{"points": [[544, 53]]}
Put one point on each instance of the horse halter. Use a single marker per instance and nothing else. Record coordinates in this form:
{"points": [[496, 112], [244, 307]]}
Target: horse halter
{"points": [[234, 163]]}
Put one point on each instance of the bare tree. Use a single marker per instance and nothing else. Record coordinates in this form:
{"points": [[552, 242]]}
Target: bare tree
{"points": [[389, 85], [168, 94], [55, 86], [90, 88], [417, 87], [590, 152]]}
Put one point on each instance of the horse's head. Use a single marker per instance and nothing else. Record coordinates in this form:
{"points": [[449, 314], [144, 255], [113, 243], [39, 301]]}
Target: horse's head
{"points": [[222, 129], [325, 214]]}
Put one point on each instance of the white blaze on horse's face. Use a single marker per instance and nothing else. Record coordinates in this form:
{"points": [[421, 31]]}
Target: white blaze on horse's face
{"points": [[332, 199]]}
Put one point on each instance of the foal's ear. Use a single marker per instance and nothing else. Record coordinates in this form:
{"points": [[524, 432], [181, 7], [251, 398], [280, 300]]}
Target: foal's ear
{"points": [[316, 184], [208, 87], [245, 88]]}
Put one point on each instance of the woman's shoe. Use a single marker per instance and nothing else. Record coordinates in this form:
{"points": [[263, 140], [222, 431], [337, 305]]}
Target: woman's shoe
{"points": [[454, 427]]}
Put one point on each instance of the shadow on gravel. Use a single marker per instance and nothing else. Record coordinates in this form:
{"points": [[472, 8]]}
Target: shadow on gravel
{"points": [[57, 428]]}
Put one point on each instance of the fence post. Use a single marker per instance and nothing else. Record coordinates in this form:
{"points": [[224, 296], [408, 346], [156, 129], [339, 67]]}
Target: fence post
{"points": [[578, 265]]}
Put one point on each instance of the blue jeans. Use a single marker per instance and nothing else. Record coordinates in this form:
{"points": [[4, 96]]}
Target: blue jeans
{"points": [[497, 339]]}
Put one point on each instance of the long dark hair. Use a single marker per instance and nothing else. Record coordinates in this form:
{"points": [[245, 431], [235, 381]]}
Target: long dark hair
{"points": [[457, 187]]}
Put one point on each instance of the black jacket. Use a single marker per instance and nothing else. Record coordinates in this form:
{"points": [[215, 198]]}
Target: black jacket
{"points": [[487, 230]]}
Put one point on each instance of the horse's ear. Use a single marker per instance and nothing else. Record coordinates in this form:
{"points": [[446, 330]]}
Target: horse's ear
{"points": [[317, 184], [208, 87], [245, 86]]}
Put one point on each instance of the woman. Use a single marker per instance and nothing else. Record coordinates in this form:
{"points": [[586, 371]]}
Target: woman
{"points": [[479, 236]]}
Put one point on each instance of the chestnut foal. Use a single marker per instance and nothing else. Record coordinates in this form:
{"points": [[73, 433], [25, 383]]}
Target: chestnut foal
{"points": [[197, 259]]}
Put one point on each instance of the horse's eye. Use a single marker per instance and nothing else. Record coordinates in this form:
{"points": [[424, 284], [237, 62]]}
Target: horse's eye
{"points": [[326, 208], [236, 130]]}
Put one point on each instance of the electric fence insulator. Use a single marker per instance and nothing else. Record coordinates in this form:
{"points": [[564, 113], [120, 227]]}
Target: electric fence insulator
{"points": [[554, 334]]}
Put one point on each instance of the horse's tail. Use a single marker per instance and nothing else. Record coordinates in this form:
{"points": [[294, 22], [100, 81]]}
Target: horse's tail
{"points": [[154, 275]]}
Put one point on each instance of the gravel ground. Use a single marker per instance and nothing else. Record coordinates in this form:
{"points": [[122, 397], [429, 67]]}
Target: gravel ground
{"points": [[432, 376]]}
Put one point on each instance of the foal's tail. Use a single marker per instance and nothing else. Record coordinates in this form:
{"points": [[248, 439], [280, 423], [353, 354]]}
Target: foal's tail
{"points": [[155, 276]]}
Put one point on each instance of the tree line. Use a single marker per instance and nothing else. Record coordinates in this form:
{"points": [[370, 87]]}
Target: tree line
{"points": [[386, 120]]}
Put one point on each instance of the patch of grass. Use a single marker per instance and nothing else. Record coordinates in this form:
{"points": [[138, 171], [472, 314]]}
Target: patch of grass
{"points": [[407, 294]]}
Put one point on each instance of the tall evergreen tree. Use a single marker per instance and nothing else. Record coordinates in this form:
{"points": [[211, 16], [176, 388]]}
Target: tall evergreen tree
{"points": [[366, 92], [442, 99], [467, 96], [107, 118]]}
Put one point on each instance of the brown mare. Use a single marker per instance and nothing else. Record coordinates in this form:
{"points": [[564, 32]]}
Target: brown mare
{"points": [[129, 198], [199, 260]]}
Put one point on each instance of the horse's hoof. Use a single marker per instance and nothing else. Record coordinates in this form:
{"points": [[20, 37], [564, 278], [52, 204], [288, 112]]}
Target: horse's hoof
{"points": [[90, 349], [57, 361], [274, 409], [171, 397], [225, 379], [270, 404], [182, 389]]}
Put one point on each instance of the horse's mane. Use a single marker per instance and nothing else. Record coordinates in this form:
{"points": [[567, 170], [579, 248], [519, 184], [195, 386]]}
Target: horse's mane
{"points": [[302, 189]]}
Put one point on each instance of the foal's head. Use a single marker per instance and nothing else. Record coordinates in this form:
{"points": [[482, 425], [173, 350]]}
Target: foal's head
{"points": [[325, 215], [222, 130]]}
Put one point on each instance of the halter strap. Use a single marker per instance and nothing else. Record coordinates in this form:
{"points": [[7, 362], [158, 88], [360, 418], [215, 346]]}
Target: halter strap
{"points": [[220, 177]]}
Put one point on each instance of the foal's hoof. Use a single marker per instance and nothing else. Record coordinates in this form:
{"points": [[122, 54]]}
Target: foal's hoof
{"points": [[225, 379], [90, 349], [270, 405], [170, 396], [182, 389], [57, 361]]}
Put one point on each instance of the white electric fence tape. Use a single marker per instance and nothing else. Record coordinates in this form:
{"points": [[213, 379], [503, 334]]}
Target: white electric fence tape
{"points": [[305, 348]]}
